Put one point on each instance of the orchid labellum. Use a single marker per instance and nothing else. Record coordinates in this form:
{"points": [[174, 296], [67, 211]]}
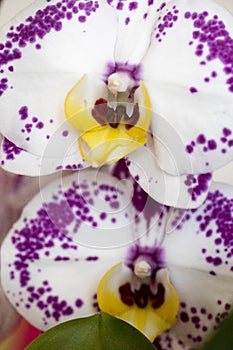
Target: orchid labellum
{"points": [[86, 83], [86, 244]]}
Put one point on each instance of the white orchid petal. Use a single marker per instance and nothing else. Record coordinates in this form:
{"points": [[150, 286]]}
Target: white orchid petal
{"points": [[198, 255], [9, 8], [17, 160], [204, 303], [186, 191], [208, 230], [68, 236], [136, 19], [188, 73], [43, 56], [149, 216]]}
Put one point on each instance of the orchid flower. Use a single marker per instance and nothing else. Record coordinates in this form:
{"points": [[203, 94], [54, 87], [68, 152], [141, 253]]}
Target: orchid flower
{"points": [[85, 83], [86, 243]]}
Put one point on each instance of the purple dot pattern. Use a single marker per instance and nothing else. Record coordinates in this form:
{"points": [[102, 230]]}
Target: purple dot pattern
{"points": [[197, 185], [129, 8], [210, 35], [78, 166], [166, 21], [36, 27], [215, 222], [223, 144], [197, 321], [10, 149], [42, 235], [29, 123]]}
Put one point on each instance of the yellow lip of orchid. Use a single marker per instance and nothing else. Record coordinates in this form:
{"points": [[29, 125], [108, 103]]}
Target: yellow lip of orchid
{"points": [[102, 141], [152, 318]]}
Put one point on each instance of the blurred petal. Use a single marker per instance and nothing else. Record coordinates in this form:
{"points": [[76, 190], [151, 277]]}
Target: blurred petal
{"points": [[203, 240], [60, 238], [186, 191], [189, 77], [37, 81], [208, 229]]}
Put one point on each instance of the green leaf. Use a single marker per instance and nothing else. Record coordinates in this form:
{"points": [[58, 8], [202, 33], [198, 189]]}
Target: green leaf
{"points": [[98, 332], [223, 338]]}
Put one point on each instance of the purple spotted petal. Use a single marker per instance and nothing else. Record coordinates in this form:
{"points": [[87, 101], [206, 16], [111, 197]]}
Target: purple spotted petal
{"points": [[198, 252], [185, 191], [53, 258], [188, 72], [44, 52]]}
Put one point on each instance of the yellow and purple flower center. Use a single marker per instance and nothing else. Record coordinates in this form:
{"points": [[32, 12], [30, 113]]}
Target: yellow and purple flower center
{"points": [[140, 293], [111, 116]]}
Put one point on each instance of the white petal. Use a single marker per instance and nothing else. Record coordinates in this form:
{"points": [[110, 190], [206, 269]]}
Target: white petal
{"points": [[68, 236], [136, 19], [17, 160], [186, 191], [203, 237], [149, 216], [193, 99], [204, 302], [9, 8], [49, 62], [198, 253]]}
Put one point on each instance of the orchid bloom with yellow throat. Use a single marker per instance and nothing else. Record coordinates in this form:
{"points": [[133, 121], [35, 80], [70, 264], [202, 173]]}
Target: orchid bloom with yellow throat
{"points": [[85, 83], [87, 243]]}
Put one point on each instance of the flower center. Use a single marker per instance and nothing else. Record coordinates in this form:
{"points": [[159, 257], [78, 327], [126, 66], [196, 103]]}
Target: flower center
{"points": [[140, 291], [119, 82], [142, 296], [112, 118], [104, 114]]}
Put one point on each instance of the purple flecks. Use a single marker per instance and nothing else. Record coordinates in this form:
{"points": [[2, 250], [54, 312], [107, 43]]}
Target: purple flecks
{"points": [[10, 149], [65, 133], [39, 125], [29, 126], [166, 21], [198, 185], [213, 38], [195, 327], [216, 224], [79, 303], [40, 237], [193, 90], [201, 139], [36, 27], [133, 5], [212, 144], [3, 85], [78, 166]]}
